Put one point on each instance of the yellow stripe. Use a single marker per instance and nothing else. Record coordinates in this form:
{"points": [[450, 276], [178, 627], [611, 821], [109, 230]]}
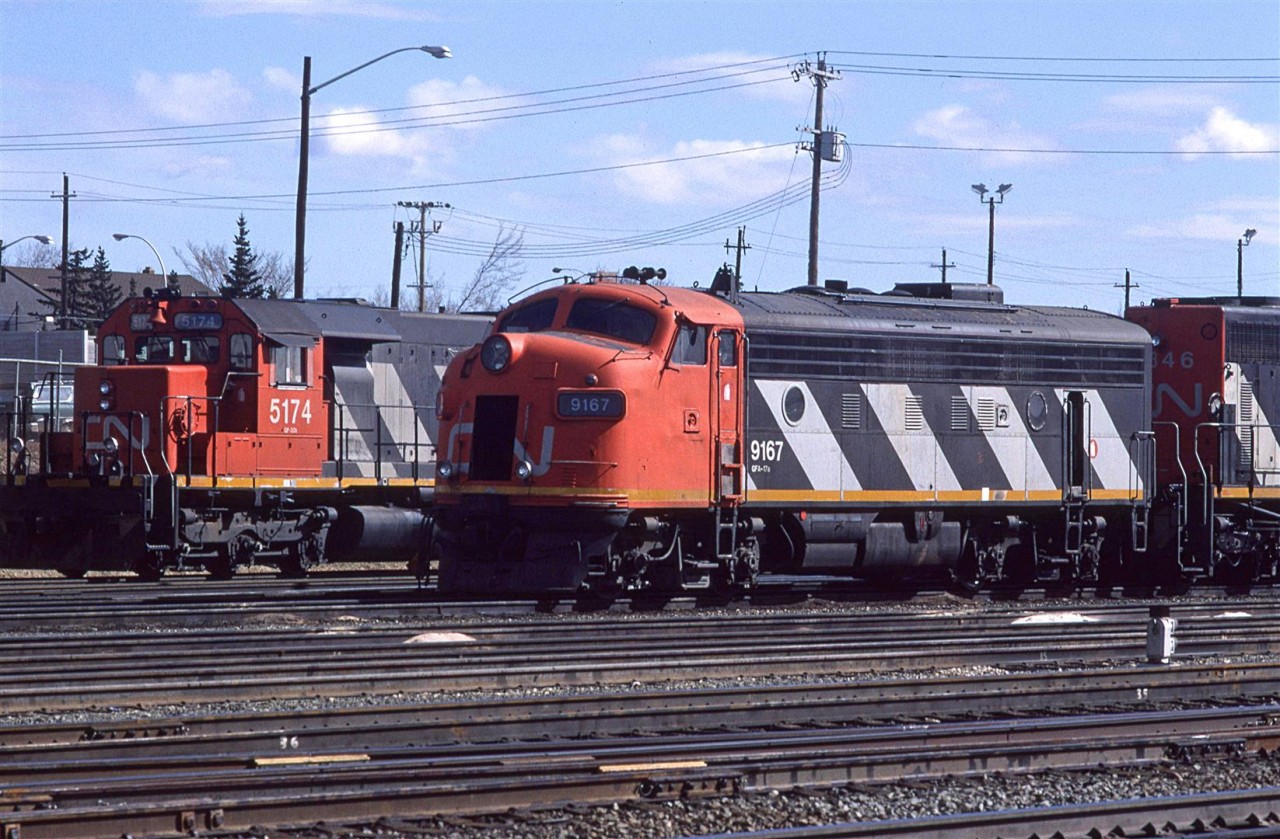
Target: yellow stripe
{"points": [[1244, 493]]}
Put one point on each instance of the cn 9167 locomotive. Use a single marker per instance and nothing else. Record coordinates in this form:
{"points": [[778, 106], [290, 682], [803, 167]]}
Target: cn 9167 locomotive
{"points": [[617, 435], [222, 433]]}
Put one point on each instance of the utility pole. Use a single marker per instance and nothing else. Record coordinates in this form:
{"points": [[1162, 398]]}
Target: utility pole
{"points": [[66, 195], [944, 266], [395, 266], [737, 261], [820, 76], [1128, 286], [420, 227]]}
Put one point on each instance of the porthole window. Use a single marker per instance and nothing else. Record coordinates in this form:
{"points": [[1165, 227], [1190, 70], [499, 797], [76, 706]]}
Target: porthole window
{"points": [[793, 405], [1037, 410]]}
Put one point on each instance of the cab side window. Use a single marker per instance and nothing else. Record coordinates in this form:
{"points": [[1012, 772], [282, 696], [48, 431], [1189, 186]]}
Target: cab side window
{"points": [[112, 350], [691, 345], [241, 351], [290, 365], [728, 349]]}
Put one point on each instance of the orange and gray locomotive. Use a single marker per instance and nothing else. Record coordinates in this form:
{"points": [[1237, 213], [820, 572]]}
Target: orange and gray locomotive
{"points": [[223, 433], [615, 434]]}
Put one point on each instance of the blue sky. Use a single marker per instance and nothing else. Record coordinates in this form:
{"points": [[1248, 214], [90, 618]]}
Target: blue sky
{"points": [[1140, 136]]}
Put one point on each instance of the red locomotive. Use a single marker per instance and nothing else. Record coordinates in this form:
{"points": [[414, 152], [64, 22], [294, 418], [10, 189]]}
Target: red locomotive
{"points": [[1216, 402], [223, 432]]}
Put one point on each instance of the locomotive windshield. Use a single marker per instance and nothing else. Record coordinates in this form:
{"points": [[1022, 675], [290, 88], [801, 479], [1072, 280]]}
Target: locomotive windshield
{"points": [[164, 349], [613, 319], [532, 318]]}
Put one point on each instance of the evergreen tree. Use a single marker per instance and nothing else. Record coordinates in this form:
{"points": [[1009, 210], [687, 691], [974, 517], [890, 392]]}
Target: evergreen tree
{"points": [[243, 280], [77, 281], [101, 294]]}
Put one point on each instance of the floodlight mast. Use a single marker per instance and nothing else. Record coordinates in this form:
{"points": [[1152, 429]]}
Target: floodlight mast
{"points": [[1240, 246], [997, 197]]}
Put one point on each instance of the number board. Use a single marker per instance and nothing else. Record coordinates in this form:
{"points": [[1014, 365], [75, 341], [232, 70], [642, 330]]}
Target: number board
{"points": [[590, 404], [197, 320]]}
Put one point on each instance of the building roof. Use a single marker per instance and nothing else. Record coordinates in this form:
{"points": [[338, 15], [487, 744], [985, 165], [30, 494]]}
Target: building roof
{"points": [[29, 295]]}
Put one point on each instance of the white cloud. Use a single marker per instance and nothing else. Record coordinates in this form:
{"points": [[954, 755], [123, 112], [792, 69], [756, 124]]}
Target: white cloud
{"points": [[1161, 101], [282, 79], [717, 177], [411, 134], [1215, 227], [205, 165], [193, 97], [1224, 131], [957, 125], [460, 103]]}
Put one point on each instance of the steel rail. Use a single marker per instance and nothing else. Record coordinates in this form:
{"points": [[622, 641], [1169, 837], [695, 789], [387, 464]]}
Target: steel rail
{"points": [[446, 779]]}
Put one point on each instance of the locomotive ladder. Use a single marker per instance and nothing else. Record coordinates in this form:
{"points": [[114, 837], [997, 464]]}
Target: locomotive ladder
{"points": [[1074, 506], [726, 531]]}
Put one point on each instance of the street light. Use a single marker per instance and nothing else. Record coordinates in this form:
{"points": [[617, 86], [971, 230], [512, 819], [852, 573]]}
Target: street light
{"points": [[1240, 244], [304, 148], [997, 197], [39, 237], [120, 237]]}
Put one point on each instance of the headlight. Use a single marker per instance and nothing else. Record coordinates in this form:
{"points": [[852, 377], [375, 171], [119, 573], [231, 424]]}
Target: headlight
{"points": [[105, 387], [104, 404], [111, 446], [16, 445], [445, 469], [495, 353], [523, 470]]}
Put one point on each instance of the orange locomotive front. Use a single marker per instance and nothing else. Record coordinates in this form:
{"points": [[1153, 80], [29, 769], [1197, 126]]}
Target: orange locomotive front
{"points": [[591, 431], [174, 371]]}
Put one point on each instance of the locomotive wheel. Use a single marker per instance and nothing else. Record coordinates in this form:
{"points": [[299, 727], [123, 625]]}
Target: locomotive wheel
{"points": [[220, 567], [150, 567], [301, 557]]}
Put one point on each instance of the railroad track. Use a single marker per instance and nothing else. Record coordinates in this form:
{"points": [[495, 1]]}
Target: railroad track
{"points": [[595, 708]]}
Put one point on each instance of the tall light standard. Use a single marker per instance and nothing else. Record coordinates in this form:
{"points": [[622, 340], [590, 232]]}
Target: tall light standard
{"points": [[39, 237], [120, 237], [997, 197], [1240, 244], [304, 148]]}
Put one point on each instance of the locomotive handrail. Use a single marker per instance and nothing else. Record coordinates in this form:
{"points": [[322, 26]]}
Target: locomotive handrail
{"points": [[1145, 471], [343, 443], [1177, 458]]}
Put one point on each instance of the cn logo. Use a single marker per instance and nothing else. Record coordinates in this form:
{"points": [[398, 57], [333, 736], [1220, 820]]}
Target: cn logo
{"points": [[136, 438]]}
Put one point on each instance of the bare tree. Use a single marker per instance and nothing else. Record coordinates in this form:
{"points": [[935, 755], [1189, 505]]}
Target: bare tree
{"points": [[33, 255], [496, 274], [210, 261]]}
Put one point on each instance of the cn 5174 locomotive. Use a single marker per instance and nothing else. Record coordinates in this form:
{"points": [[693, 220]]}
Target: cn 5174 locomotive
{"points": [[626, 435], [221, 433]]}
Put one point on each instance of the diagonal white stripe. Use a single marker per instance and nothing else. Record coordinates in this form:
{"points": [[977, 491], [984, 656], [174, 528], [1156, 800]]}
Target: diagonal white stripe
{"points": [[810, 440]]}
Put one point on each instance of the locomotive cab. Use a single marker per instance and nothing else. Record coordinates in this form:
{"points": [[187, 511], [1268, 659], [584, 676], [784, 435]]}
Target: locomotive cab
{"points": [[580, 432], [191, 387]]}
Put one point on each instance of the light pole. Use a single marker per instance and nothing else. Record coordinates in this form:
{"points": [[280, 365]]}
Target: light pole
{"points": [[39, 237], [997, 197], [1240, 243], [120, 237], [304, 148]]}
